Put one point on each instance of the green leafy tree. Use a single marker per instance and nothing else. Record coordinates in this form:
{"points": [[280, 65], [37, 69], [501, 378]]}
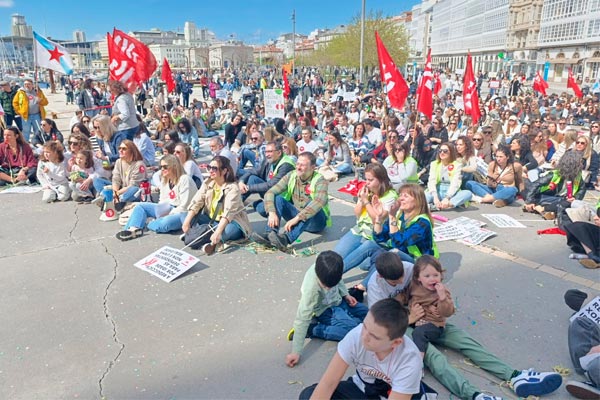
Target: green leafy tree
{"points": [[344, 50]]}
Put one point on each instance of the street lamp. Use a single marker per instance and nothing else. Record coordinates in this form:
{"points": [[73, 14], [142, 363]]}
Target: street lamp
{"points": [[362, 40]]}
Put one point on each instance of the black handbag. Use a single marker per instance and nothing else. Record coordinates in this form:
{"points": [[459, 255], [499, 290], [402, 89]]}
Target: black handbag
{"points": [[199, 234]]}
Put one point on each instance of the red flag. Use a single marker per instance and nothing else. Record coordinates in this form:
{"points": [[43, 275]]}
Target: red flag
{"points": [[571, 83], [129, 59], [438, 83], [286, 84], [425, 100], [471, 99], [396, 87], [167, 75], [353, 187], [539, 84]]}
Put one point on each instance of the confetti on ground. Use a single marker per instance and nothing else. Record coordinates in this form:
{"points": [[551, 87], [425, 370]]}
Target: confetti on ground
{"points": [[559, 369], [539, 284], [295, 383], [488, 314], [307, 252]]}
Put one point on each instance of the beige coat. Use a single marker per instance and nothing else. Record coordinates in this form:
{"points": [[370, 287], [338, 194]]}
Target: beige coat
{"points": [[233, 206]]}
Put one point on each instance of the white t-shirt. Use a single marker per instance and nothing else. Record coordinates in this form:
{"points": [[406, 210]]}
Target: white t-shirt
{"points": [[401, 369], [379, 289], [303, 146], [192, 169], [375, 136]]}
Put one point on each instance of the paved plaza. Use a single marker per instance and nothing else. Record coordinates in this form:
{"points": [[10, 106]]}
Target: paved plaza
{"points": [[79, 321]]}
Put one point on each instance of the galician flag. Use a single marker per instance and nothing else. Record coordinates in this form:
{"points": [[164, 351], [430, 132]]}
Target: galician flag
{"points": [[52, 55]]}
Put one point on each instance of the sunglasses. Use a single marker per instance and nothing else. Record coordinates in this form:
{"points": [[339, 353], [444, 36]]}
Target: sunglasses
{"points": [[444, 151], [163, 167], [254, 139], [487, 132], [85, 121], [477, 139], [122, 148], [581, 142], [96, 127], [164, 117], [213, 168], [177, 152], [595, 126], [73, 143], [399, 149]]}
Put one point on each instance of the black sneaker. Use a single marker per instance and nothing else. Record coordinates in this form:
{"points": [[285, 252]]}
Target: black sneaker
{"points": [[260, 239], [280, 241]]}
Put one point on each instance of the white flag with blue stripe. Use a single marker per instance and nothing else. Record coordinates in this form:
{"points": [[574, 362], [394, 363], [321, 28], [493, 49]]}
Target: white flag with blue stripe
{"points": [[52, 55]]}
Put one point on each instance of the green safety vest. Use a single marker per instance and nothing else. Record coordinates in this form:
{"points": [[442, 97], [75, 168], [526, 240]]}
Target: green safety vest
{"points": [[285, 159], [413, 250], [415, 177], [556, 181], [290, 190], [436, 170]]}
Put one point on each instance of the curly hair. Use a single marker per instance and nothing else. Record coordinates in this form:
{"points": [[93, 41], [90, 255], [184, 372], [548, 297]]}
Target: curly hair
{"points": [[569, 166]]}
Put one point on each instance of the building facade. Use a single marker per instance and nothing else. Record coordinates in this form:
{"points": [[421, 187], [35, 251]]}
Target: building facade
{"points": [[524, 18]]}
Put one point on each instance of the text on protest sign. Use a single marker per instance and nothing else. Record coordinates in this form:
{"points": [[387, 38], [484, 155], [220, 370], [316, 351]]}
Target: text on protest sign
{"points": [[590, 311], [167, 263], [274, 106]]}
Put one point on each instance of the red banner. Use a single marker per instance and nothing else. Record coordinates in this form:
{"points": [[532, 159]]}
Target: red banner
{"points": [[571, 83], [167, 75], [286, 84], [539, 84], [129, 59], [425, 91], [396, 87], [471, 98]]}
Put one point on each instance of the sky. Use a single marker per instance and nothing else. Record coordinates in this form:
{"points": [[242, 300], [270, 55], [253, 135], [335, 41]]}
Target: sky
{"points": [[253, 21]]}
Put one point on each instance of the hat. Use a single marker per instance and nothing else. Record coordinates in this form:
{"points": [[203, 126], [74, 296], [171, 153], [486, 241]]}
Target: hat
{"points": [[513, 117], [4, 83], [574, 299]]}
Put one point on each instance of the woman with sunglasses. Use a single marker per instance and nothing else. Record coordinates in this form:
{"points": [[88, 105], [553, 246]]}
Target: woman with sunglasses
{"points": [[424, 154], [188, 135], [48, 132], [589, 160], [165, 125], [503, 182], [176, 190], [127, 175], [108, 138], [219, 199], [400, 166], [445, 178]]}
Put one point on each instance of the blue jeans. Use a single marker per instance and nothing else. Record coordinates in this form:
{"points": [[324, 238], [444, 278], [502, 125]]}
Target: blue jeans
{"points": [[31, 125], [336, 322], [355, 249], [130, 194], [192, 140], [232, 230], [142, 211], [247, 155], [506, 193], [286, 210], [460, 198], [343, 168], [129, 133]]}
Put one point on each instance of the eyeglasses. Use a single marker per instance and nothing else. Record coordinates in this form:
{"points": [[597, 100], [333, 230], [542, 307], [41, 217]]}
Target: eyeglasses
{"points": [[213, 168], [537, 121], [254, 139], [96, 127], [73, 143], [595, 126], [122, 148], [164, 167], [164, 117], [444, 151], [452, 123], [562, 123], [581, 142], [477, 139], [177, 152], [399, 149], [85, 121], [487, 132]]}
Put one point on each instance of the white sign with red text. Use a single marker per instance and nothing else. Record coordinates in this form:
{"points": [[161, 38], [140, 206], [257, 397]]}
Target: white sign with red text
{"points": [[167, 263], [274, 105]]}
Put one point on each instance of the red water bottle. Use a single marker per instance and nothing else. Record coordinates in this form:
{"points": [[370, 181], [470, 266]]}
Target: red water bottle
{"points": [[569, 189], [145, 186]]}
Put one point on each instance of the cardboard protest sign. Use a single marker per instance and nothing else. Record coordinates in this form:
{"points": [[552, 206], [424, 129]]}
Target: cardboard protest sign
{"points": [[274, 105], [167, 263], [221, 94], [590, 311]]}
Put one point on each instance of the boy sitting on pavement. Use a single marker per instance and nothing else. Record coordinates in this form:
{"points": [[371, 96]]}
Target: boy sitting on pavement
{"points": [[387, 362], [325, 298], [392, 278]]}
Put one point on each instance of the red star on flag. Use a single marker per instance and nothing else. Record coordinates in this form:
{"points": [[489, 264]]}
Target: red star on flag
{"points": [[55, 54]]}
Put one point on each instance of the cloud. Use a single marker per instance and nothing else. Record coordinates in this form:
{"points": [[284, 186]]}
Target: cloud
{"points": [[7, 3]]}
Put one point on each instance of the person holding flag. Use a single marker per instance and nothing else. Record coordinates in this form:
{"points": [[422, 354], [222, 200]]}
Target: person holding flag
{"points": [[29, 103]]}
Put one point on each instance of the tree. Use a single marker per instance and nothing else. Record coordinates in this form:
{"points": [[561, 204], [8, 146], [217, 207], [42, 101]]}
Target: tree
{"points": [[344, 50]]}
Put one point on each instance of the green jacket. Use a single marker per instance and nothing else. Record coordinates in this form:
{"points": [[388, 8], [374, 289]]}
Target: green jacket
{"points": [[6, 99]]}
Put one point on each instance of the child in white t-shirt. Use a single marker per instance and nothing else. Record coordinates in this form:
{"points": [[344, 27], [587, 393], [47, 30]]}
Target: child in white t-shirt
{"points": [[387, 362], [392, 278]]}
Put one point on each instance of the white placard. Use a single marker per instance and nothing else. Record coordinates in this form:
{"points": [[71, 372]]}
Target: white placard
{"points": [[22, 190], [503, 221], [221, 94], [274, 105], [590, 311], [459, 103], [494, 84], [467, 230], [167, 263], [349, 96]]}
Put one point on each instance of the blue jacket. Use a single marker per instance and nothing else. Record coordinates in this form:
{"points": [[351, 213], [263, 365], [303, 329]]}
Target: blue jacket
{"points": [[114, 143]]}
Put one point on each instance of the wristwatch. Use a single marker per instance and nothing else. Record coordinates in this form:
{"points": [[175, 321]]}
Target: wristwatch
{"points": [[393, 223]]}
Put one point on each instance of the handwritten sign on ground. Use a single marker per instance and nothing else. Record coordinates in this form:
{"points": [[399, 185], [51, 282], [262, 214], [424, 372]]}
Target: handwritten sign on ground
{"points": [[167, 263], [503, 221], [590, 311], [22, 190], [274, 105], [467, 230]]}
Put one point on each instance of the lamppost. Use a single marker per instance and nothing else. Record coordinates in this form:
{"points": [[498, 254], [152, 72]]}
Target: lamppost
{"points": [[293, 41], [362, 41]]}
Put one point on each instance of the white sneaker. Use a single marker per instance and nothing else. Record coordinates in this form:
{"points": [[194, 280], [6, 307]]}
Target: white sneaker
{"points": [[529, 382], [108, 215], [476, 199], [485, 396]]}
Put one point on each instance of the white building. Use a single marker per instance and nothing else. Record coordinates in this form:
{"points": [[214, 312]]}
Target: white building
{"points": [[230, 55], [570, 38], [19, 27], [79, 36]]}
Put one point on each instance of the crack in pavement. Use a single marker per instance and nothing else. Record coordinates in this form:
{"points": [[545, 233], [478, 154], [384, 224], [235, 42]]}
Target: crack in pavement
{"points": [[112, 323], [58, 246], [75, 225]]}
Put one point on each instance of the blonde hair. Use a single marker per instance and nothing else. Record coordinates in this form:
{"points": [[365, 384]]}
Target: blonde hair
{"points": [[105, 127]]}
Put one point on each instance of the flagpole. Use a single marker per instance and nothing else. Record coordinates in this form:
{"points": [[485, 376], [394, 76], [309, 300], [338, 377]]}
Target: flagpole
{"points": [[35, 70]]}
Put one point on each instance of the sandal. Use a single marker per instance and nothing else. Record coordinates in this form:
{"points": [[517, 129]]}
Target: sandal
{"points": [[128, 235]]}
